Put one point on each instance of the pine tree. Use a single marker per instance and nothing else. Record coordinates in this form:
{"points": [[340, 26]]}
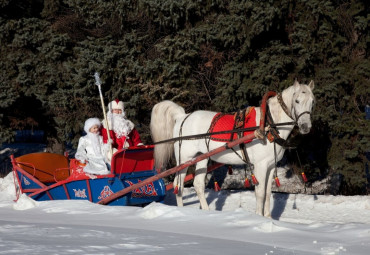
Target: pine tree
{"points": [[213, 54]]}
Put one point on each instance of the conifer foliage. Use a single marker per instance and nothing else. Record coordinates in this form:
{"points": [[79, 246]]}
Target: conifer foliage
{"points": [[210, 54]]}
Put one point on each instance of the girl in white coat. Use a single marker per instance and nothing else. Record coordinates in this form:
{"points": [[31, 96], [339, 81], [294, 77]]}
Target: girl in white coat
{"points": [[91, 150]]}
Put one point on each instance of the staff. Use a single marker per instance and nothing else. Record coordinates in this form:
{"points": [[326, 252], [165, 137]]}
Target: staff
{"points": [[98, 83]]}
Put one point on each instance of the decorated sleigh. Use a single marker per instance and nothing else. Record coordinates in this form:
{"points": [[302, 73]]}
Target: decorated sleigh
{"points": [[48, 176]]}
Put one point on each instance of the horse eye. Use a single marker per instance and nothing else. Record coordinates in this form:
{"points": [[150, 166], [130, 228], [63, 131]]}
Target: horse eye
{"points": [[297, 101]]}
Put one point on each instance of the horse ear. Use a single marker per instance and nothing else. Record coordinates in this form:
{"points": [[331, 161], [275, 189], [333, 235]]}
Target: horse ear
{"points": [[311, 85], [296, 84]]}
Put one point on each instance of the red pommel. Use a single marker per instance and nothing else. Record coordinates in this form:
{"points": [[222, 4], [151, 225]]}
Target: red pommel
{"points": [[254, 180], [217, 187], [176, 190], [277, 182], [304, 177], [230, 170], [246, 183]]}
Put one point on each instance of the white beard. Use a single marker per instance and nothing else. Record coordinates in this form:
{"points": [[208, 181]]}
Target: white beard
{"points": [[94, 138], [120, 125]]}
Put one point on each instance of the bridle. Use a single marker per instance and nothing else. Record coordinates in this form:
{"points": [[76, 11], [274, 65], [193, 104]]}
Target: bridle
{"points": [[287, 111]]}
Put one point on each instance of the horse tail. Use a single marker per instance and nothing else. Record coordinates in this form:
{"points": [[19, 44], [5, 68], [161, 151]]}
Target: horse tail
{"points": [[163, 118]]}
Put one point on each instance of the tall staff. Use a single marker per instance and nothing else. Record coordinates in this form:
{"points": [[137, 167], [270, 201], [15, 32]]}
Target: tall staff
{"points": [[98, 83]]}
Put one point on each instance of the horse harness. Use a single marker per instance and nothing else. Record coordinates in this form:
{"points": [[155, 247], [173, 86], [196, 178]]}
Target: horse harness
{"points": [[239, 124], [286, 110], [271, 133], [180, 134], [238, 129]]}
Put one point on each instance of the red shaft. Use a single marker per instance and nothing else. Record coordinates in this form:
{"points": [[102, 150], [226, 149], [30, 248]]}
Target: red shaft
{"points": [[263, 108], [191, 176]]}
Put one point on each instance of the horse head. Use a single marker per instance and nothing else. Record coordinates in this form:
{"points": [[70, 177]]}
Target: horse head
{"points": [[302, 103]]}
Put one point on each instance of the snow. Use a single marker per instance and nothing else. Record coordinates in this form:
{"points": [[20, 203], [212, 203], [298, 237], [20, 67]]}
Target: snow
{"points": [[300, 224]]}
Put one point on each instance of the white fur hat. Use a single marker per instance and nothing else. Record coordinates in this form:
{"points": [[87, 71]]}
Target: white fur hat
{"points": [[91, 122], [116, 104]]}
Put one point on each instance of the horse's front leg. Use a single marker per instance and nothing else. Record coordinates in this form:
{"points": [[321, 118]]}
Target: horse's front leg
{"points": [[260, 172], [266, 209], [179, 182], [199, 185]]}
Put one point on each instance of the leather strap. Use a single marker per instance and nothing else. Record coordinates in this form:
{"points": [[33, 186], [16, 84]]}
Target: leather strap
{"points": [[283, 105]]}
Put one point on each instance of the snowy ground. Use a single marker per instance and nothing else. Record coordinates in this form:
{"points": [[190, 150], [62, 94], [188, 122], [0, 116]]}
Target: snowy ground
{"points": [[301, 224]]}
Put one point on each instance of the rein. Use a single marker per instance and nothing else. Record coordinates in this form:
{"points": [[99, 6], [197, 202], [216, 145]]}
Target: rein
{"points": [[198, 136]]}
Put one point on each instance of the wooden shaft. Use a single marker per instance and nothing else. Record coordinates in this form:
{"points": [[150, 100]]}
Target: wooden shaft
{"points": [[191, 176], [263, 108]]}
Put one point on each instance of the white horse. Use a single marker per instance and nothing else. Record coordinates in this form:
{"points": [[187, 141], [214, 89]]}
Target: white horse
{"points": [[168, 121]]}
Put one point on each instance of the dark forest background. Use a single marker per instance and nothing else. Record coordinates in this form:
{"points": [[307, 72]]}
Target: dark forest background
{"points": [[203, 54]]}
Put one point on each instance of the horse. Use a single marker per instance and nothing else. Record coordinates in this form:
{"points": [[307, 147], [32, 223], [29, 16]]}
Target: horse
{"points": [[169, 120]]}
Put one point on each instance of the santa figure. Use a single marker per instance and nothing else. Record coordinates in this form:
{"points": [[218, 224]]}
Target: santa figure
{"points": [[122, 131]]}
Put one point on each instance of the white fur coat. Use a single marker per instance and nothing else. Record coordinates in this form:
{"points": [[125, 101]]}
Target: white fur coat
{"points": [[93, 154]]}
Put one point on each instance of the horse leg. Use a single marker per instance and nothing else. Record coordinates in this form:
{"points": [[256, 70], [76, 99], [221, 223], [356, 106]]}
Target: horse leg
{"points": [[179, 181], [266, 209], [260, 189], [199, 185]]}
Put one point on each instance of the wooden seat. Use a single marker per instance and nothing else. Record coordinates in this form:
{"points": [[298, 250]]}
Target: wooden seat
{"points": [[46, 167]]}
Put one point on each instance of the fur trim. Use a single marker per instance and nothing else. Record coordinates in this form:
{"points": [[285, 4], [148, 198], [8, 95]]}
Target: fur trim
{"points": [[116, 104], [91, 122]]}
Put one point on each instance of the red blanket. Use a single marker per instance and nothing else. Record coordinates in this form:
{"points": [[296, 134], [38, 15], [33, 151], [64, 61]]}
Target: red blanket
{"points": [[226, 122]]}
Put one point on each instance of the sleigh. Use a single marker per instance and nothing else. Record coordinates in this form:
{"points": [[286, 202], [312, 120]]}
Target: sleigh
{"points": [[48, 176]]}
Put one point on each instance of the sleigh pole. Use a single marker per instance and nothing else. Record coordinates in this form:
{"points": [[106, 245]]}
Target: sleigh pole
{"points": [[98, 83], [176, 169], [192, 175]]}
